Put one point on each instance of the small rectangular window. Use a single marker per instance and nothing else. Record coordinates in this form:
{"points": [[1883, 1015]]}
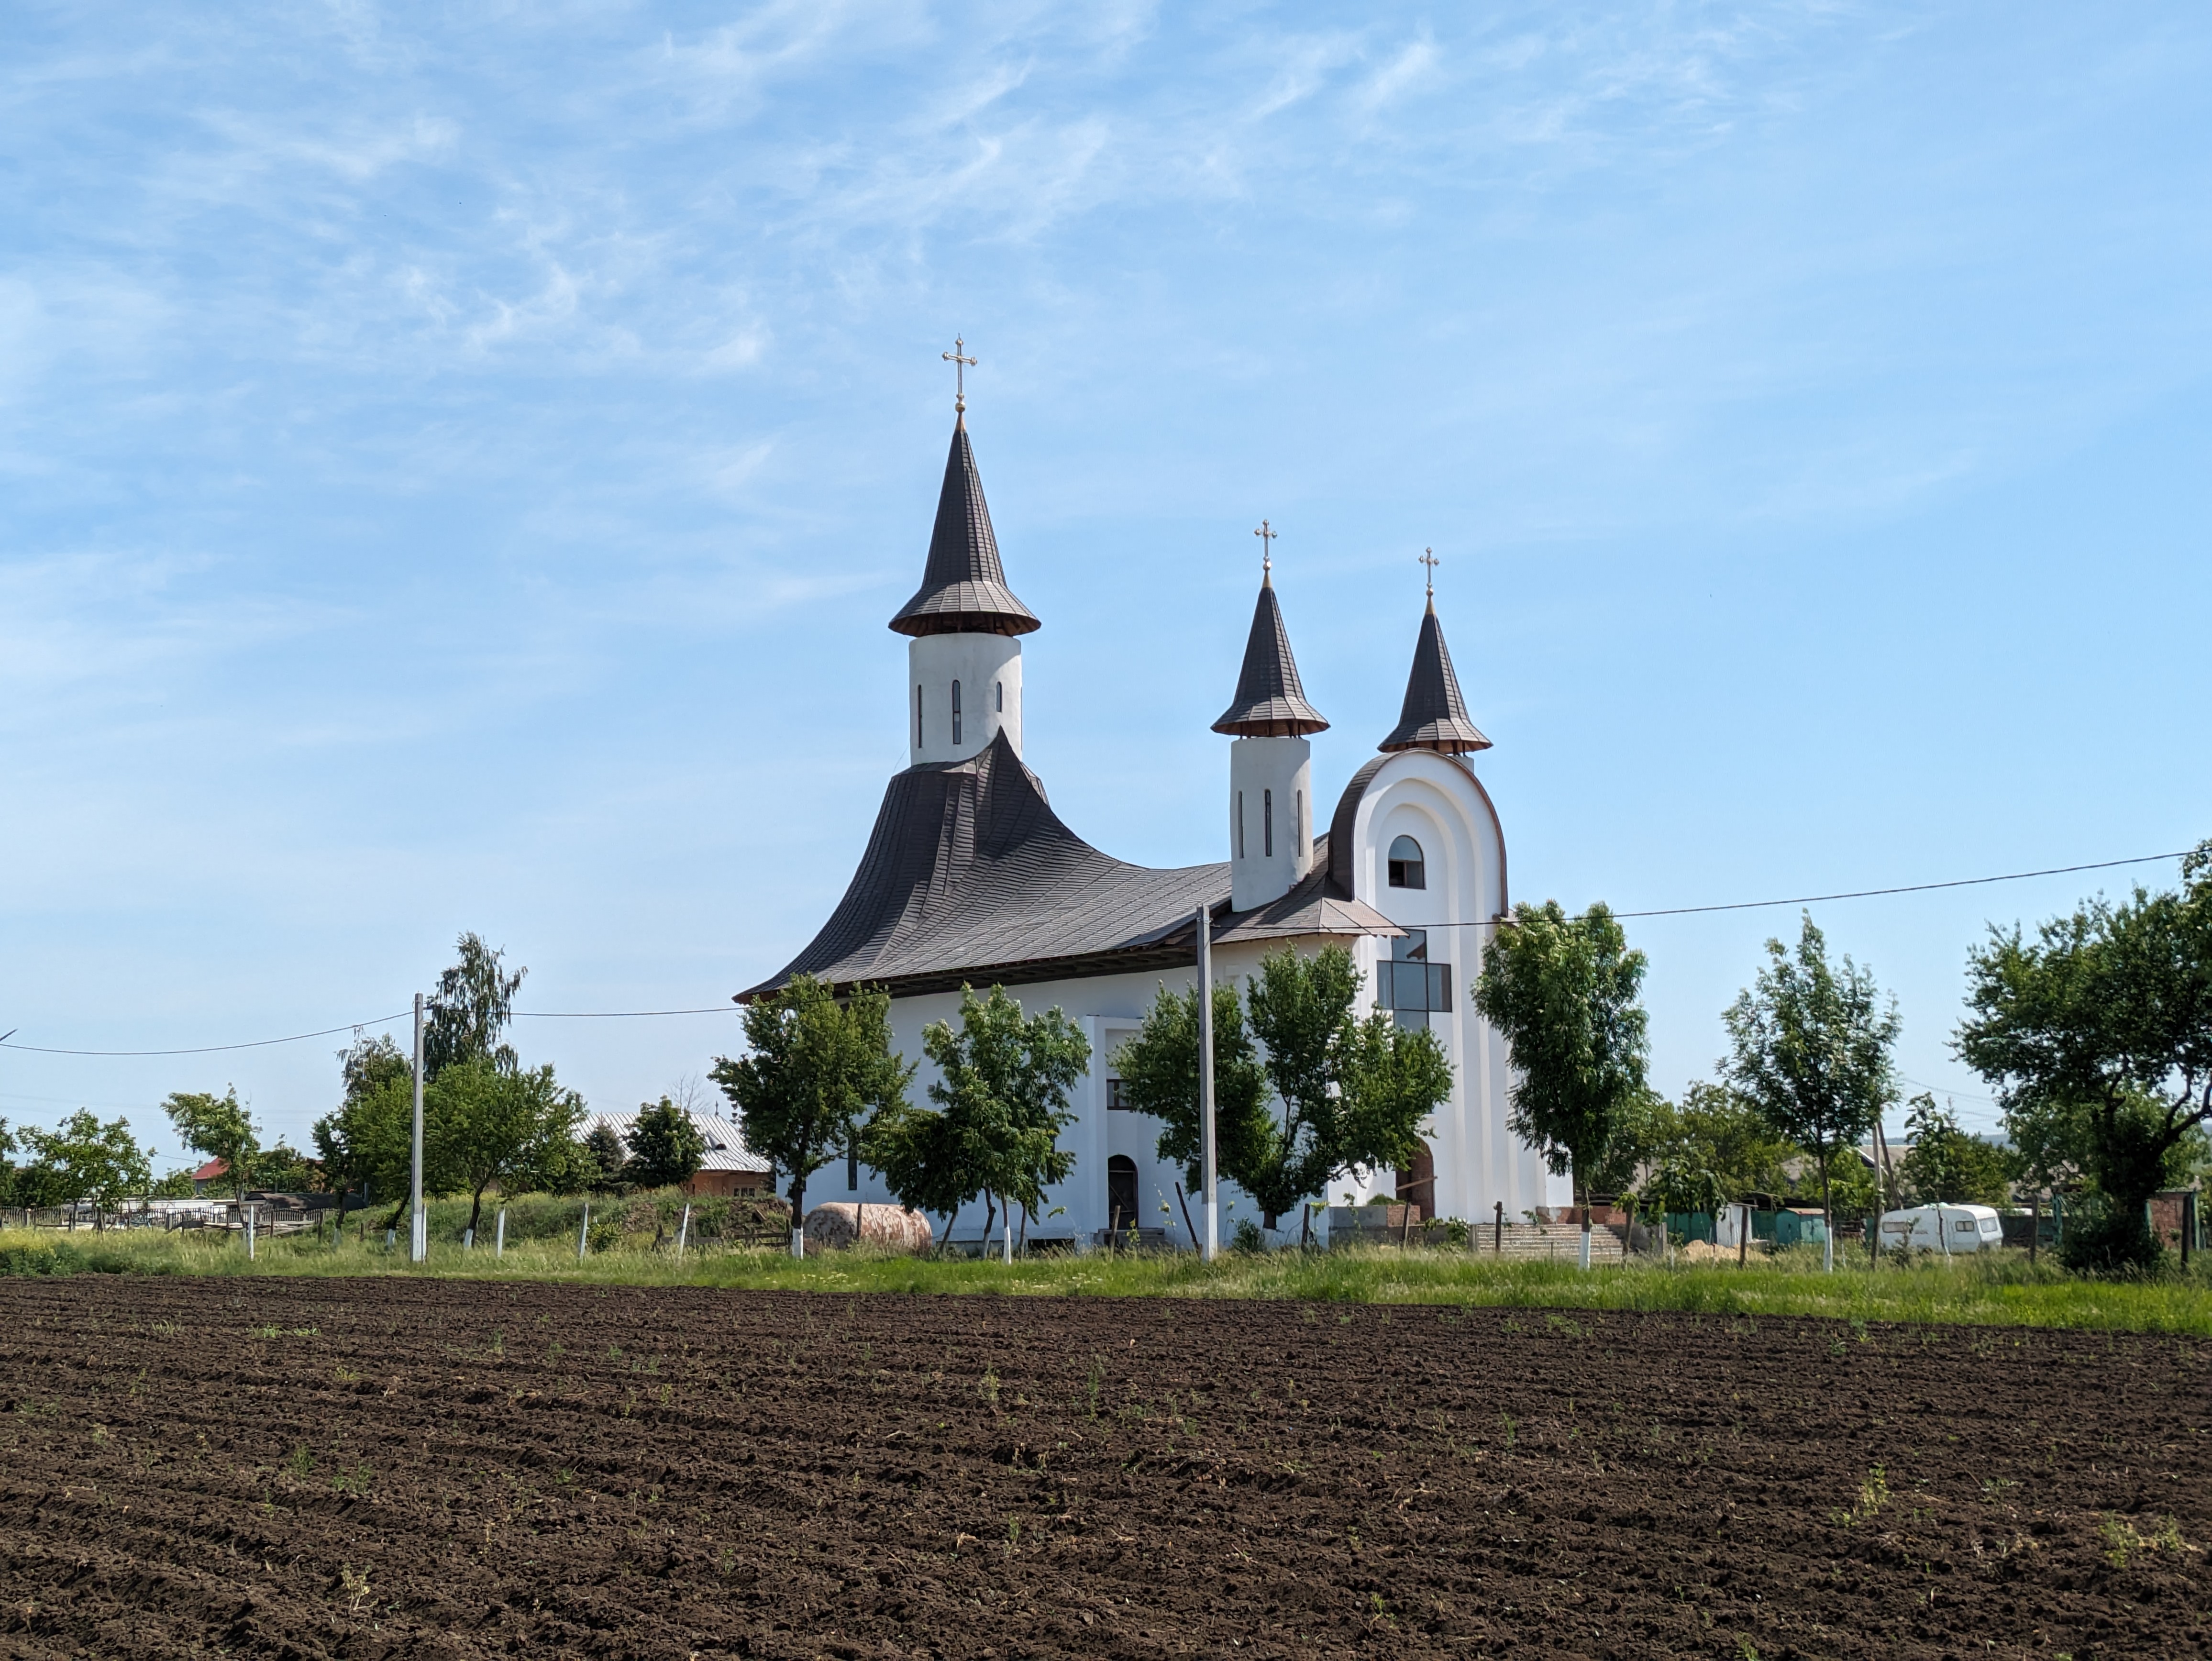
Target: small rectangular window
{"points": [[1268, 824], [1408, 985], [1116, 1102]]}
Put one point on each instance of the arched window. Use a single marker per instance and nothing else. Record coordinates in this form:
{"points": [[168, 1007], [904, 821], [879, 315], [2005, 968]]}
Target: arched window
{"points": [[956, 714], [1121, 1192], [1267, 822], [998, 692], [917, 718], [1406, 869]]}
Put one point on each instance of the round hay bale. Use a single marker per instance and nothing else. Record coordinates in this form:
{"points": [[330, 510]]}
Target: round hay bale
{"points": [[833, 1227]]}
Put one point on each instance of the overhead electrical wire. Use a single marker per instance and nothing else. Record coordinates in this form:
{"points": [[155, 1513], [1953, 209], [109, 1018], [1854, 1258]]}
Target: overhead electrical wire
{"points": [[1851, 894], [640, 1014]]}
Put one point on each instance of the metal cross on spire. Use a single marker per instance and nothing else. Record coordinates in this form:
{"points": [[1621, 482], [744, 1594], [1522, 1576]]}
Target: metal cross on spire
{"points": [[960, 367], [1428, 557], [1266, 534]]}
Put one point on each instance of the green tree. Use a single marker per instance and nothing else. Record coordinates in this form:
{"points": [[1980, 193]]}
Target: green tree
{"points": [[83, 1159], [1810, 1050], [1946, 1165], [1158, 1069], [815, 1072], [665, 1149], [1353, 1092], [484, 1125], [219, 1127], [1564, 992], [1349, 1093], [470, 1011], [599, 1170], [2097, 1034], [369, 1139], [1001, 1096]]}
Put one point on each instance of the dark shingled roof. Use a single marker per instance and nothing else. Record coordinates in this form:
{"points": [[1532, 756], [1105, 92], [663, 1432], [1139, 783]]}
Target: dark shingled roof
{"points": [[1435, 714], [970, 876], [1269, 702], [963, 588]]}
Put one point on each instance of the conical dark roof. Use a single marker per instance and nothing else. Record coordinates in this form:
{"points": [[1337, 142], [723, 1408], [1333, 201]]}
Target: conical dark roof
{"points": [[1435, 714], [1269, 702], [963, 588]]}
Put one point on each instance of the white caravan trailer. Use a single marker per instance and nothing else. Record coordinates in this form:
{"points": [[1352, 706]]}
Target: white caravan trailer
{"points": [[1952, 1230]]}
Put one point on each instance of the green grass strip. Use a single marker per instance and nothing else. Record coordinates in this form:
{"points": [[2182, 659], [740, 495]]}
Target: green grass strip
{"points": [[2001, 1289]]}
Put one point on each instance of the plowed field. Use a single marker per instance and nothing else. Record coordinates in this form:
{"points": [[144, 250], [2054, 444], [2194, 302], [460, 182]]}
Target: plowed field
{"points": [[387, 1468]]}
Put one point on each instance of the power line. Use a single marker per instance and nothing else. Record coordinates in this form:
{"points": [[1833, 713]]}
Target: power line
{"points": [[723, 1009], [386, 1020], [1852, 894], [614, 1014], [212, 1049]]}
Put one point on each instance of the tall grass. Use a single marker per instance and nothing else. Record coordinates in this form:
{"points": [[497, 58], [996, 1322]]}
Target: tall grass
{"points": [[2002, 1289]]}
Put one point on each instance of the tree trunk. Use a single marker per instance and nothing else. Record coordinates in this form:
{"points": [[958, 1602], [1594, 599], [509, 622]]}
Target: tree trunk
{"points": [[1576, 1186], [476, 1206], [1006, 1232], [798, 1213], [990, 1215], [1827, 1222]]}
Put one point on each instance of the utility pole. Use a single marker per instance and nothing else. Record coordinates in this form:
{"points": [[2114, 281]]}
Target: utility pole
{"points": [[418, 1249], [1210, 1201]]}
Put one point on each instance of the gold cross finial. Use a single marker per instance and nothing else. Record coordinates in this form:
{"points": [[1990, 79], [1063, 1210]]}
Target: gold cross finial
{"points": [[960, 367], [1428, 557], [1266, 534]]}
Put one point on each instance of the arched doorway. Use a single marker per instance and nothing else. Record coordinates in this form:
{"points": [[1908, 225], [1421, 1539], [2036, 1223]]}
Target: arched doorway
{"points": [[1417, 1183], [1121, 1192]]}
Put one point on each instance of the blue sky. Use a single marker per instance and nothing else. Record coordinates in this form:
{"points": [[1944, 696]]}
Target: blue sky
{"points": [[456, 464]]}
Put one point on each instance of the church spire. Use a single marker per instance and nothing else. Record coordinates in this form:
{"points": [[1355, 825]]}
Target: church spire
{"points": [[1434, 716], [1269, 702], [963, 588]]}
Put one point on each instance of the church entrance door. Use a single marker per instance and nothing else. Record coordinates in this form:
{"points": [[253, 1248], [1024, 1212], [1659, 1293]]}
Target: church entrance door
{"points": [[1417, 1183], [1121, 1192]]}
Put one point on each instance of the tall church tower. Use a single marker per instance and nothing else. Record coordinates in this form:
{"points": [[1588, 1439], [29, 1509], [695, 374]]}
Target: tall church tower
{"points": [[1271, 763], [964, 667]]}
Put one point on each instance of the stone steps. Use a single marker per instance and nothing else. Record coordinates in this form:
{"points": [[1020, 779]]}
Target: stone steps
{"points": [[1556, 1242]]}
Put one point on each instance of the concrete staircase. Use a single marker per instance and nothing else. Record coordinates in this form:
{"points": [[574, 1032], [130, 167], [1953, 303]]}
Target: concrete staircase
{"points": [[1558, 1242]]}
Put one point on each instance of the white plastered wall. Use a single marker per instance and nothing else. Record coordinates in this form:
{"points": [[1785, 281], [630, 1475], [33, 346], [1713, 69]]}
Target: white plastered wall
{"points": [[1479, 1160], [988, 669]]}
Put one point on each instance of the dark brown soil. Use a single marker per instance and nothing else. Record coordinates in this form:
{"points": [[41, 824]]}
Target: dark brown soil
{"points": [[387, 1467]]}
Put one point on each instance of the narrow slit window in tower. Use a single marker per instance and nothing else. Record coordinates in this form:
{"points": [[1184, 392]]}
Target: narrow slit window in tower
{"points": [[998, 692], [917, 718], [1298, 820], [1408, 869], [956, 713], [1268, 824], [1240, 824]]}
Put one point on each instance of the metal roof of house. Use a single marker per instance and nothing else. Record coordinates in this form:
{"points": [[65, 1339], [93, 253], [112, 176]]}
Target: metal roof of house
{"points": [[725, 1143], [1434, 716], [1270, 703], [971, 877], [964, 587]]}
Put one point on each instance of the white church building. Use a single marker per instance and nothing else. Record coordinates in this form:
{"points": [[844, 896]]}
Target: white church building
{"points": [[970, 879]]}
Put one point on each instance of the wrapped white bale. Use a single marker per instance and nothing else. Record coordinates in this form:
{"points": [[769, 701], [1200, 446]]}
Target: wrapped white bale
{"points": [[833, 1227]]}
